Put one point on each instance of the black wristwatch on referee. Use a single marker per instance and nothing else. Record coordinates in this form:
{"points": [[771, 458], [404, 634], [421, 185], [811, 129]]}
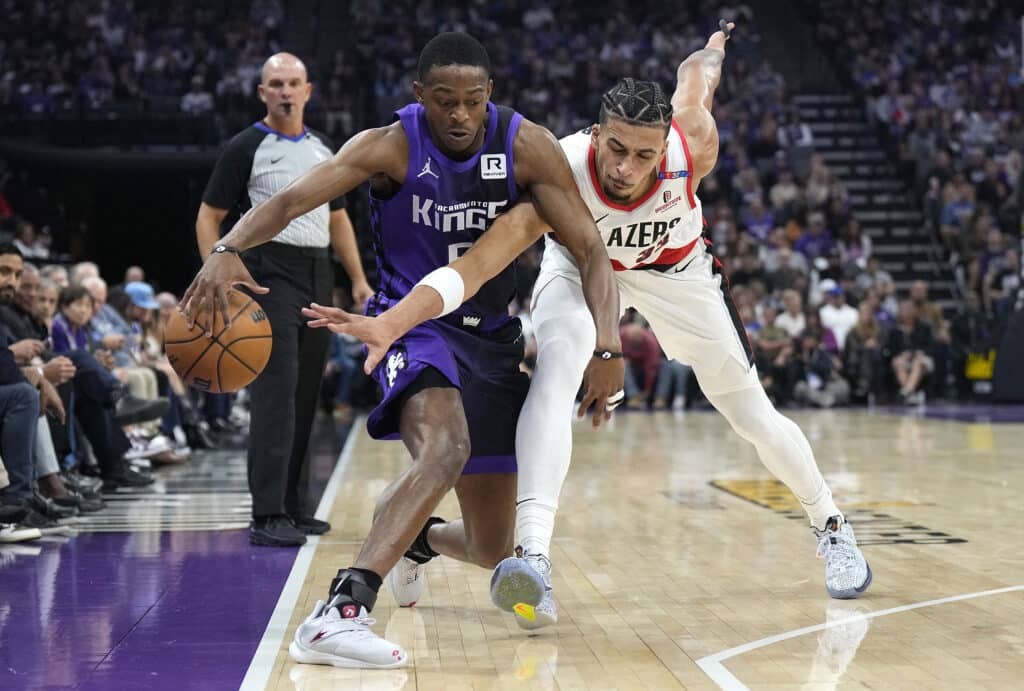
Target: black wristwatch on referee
{"points": [[607, 354], [221, 248]]}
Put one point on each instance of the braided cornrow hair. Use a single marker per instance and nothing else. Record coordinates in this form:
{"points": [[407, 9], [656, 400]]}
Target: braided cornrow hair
{"points": [[638, 103]]}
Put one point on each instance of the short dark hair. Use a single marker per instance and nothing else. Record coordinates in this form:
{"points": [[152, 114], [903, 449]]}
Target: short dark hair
{"points": [[72, 293], [10, 248], [637, 103], [452, 48]]}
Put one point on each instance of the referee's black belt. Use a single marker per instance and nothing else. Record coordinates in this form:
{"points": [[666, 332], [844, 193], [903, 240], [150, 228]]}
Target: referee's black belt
{"points": [[281, 249]]}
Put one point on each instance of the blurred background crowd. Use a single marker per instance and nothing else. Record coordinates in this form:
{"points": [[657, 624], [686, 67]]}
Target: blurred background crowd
{"points": [[935, 88]]}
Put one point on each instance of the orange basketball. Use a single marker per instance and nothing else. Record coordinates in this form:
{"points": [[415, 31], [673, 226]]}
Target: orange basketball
{"points": [[232, 358]]}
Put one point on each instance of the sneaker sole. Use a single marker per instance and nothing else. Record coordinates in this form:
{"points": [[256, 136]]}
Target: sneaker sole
{"points": [[23, 535], [312, 657], [531, 619], [516, 583], [852, 593], [263, 541]]}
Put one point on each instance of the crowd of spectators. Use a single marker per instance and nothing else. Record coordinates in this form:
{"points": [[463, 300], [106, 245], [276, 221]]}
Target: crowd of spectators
{"points": [[944, 83], [825, 319], [78, 58], [89, 404]]}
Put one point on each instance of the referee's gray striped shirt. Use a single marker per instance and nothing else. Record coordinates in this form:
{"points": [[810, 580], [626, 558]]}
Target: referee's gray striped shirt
{"points": [[259, 162]]}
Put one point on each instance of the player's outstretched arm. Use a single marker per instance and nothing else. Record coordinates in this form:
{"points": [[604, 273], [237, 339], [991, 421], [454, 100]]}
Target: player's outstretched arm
{"points": [[505, 240], [541, 165], [696, 80], [367, 154]]}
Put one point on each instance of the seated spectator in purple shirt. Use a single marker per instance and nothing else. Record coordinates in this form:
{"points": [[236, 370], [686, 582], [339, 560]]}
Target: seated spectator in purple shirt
{"points": [[816, 241], [74, 309], [758, 220]]}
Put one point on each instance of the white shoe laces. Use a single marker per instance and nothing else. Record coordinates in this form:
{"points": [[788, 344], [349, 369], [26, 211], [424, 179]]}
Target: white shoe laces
{"points": [[836, 554]]}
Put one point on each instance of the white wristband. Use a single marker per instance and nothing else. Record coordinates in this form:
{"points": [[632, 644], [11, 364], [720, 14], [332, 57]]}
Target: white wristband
{"points": [[448, 283]]}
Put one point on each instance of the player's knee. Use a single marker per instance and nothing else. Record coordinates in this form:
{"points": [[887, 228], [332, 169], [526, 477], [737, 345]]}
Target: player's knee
{"points": [[749, 412], [444, 459]]}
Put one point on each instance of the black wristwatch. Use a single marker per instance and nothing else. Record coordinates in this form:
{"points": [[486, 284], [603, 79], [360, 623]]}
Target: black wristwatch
{"points": [[606, 354], [221, 249]]}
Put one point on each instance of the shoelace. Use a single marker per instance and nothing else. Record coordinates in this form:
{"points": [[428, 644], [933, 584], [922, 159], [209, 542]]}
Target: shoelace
{"points": [[364, 621], [541, 565], [538, 560], [835, 554]]}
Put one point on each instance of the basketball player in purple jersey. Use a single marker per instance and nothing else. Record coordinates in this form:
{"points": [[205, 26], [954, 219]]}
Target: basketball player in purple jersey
{"points": [[439, 176]]}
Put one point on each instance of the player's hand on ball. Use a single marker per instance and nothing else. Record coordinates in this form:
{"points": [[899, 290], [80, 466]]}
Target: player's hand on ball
{"points": [[371, 331], [602, 380], [208, 292]]}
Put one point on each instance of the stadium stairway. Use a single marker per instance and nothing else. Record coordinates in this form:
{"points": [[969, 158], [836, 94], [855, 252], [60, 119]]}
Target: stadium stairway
{"points": [[879, 199]]}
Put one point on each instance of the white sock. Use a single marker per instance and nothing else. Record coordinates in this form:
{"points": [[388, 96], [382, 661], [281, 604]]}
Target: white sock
{"points": [[565, 341], [535, 522]]}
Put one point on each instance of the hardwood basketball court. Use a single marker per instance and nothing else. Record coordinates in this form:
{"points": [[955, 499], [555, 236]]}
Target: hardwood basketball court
{"points": [[678, 563]]}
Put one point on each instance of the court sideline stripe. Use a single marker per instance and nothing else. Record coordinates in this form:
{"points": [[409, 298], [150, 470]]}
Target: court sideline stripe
{"points": [[258, 674], [713, 667]]}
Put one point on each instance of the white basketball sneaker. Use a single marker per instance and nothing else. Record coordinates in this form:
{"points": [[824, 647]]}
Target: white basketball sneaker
{"points": [[546, 613], [406, 581], [847, 574], [343, 639], [516, 581]]}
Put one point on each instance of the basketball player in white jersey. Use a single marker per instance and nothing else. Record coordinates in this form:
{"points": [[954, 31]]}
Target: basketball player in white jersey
{"points": [[638, 171]]}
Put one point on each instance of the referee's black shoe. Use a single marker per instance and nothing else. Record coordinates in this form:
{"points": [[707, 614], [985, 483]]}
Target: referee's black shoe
{"points": [[309, 525], [275, 531]]}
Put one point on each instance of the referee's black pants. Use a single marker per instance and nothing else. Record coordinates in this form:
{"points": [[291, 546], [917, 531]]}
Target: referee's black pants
{"points": [[284, 396]]}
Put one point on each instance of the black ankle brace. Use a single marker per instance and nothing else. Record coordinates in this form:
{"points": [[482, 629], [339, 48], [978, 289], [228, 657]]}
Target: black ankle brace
{"points": [[359, 586], [420, 552]]}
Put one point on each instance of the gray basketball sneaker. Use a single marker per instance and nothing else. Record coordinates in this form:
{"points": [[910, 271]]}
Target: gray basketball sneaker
{"points": [[847, 574], [517, 582], [546, 613]]}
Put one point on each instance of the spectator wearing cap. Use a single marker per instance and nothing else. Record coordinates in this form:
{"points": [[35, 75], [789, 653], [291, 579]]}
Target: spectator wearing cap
{"points": [[135, 308], [135, 305], [835, 313]]}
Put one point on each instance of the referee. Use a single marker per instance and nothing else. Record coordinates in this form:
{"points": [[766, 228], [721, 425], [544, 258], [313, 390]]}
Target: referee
{"points": [[296, 268]]}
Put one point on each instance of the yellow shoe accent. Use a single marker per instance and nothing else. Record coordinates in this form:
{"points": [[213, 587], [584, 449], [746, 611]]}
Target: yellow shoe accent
{"points": [[525, 611]]}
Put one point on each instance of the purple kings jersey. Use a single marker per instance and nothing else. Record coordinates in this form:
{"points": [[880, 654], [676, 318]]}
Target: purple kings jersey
{"points": [[440, 210]]}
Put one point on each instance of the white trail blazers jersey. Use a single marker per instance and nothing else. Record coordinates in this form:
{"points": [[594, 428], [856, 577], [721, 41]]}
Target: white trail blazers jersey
{"points": [[659, 229]]}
